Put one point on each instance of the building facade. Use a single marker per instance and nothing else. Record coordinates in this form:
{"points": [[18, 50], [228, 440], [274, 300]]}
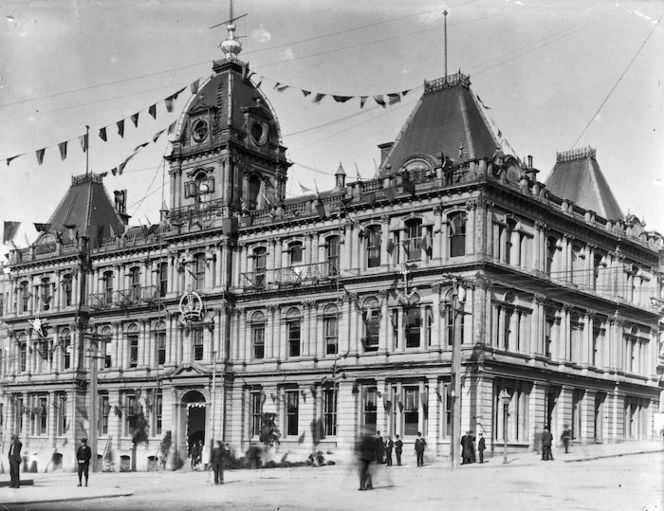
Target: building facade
{"points": [[337, 311]]}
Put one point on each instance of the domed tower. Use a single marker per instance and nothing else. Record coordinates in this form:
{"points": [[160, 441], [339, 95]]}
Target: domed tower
{"points": [[227, 156]]}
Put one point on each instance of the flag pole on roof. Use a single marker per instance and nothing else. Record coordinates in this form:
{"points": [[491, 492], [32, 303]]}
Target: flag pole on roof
{"points": [[87, 150], [445, 15]]}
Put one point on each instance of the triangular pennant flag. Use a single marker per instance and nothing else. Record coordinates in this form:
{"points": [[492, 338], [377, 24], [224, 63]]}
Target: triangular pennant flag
{"points": [[342, 99], [103, 174], [390, 246], [282, 88], [171, 128], [120, 128], [175, 96], [138, 148], [169, 103], [84, 142], [363, 100], [102, 134], [318, 97], [482, 103], [305, 190], [260, 82], [40, 155], [121, 167], [114, 171], [134, 118], [10, 231], [379, 100], [305, 93], [394, 98], [9, 160], [276, 85], [194, 86], [153, 111], [63, 150], [404, 92], [157, 135]]}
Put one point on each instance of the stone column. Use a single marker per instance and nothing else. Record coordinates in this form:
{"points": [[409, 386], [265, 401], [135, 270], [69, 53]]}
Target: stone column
{"points": [[438, 318], [383, 341]]}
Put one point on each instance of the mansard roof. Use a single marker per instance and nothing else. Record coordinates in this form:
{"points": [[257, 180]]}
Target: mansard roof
{"points": [[577, 176], [446, 119], [87, 209]]}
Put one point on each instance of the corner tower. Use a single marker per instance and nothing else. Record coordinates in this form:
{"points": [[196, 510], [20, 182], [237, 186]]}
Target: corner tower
{"points": [[227, 156]]}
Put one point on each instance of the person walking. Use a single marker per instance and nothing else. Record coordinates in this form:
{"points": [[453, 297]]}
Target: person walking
{"points": [[83, 455], [398, 449], [15, 461], [481, 446], [420, 445], [547, 440], [365, 449], [217, 461], [566, 437], [389, 446]]}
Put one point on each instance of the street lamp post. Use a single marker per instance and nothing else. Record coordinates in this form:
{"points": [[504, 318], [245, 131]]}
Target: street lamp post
{"points": [[505, 399]]}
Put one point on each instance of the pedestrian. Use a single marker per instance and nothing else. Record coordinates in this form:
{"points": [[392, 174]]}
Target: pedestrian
{"points": [[420, 445], [380, 449], [83, 455], [365, 449], [15, 461], [389, 446], [547, 440], [398, 449], [466, 448], [217, 461], [566, 437], [481, 446], [472, 446]]}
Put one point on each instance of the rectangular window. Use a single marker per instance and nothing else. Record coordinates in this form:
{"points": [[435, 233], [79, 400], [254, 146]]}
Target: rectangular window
{"points": [[411, 413], [448, 407], [256, 414], [25, 297], [330, 411], [258, 340], [160, 341], [108, 288], [135, 283], [370, 409], [163, 279], [412, 321], [104, 411], [293, 332], [197, 334], [428, 318], [373, 235], [457, 235], [332, 255], [61, 403], [131, 407], [158, 412], [67, 288], [39, 415], [132, 340], [199, 272], [45, 294], [413, 240], [331, 335], [371, 329], [106, 350], [292, 409], [23, 357], [66, 353]]}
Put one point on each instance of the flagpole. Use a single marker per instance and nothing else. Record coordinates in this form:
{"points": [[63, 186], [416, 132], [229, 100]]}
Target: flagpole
{"points": [[445, 14], [87, 149]]}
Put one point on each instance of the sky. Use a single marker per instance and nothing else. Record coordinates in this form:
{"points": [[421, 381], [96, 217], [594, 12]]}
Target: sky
{"points": [[555, 75]]}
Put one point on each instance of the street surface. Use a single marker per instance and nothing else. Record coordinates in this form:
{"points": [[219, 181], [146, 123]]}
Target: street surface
{"points": [[630, 482]]}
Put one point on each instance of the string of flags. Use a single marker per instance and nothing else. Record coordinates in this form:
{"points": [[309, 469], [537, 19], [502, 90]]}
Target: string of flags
{"points": [[384, 100], [499, 133]]}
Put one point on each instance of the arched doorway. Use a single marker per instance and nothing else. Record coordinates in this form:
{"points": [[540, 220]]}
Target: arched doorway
{"points": [[193, 406]]}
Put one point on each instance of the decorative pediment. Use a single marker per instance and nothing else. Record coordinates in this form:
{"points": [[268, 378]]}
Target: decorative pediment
{"points": [[190, 369]]}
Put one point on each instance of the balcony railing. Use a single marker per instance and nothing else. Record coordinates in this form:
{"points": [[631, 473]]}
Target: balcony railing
{"points": [[302, 275], [132, 297], [203, 210]]}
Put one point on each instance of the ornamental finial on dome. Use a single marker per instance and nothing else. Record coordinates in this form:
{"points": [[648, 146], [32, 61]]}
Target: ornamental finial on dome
{"points": [[231, 46]]}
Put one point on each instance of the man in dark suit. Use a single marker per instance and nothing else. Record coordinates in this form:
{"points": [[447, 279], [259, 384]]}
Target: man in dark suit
{"points": [[481, 446], [389, 445], [83, 455], [420, 444], [380, 449], [217, 460], [466, 448], [398, 449], [15, 461], [547, 440]]}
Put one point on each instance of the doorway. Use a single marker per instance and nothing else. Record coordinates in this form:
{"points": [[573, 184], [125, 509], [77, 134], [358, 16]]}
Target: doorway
{"points": [[193, 418]]}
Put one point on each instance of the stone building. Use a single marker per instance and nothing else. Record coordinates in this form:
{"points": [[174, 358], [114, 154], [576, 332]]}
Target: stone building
{"points": [[338, 310]]}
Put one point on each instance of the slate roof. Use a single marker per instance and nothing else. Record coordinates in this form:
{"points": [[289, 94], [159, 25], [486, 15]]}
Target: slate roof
{"points": [[446, 117], [87, 207], [577, 176]]}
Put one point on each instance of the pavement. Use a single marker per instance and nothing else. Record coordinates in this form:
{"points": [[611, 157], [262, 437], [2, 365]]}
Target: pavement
{"points": [[60, 487]]}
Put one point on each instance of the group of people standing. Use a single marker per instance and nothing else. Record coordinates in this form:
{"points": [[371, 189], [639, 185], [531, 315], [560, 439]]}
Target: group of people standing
{"points": [[468, 451]]}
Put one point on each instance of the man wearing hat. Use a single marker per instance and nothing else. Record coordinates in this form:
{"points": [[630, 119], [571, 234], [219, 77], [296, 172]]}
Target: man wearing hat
{"points": [[83, 455], [15, 461]]}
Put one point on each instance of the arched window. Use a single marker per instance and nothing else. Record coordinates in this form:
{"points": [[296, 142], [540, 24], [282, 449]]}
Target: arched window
{"points": [[258, 335], [373, 236], [413, 239], [457, 234], [293, 332], [371, 316]]}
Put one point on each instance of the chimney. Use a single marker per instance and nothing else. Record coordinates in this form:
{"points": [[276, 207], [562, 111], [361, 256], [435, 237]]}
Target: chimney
{"points": [[530, 161], [384, 151]]}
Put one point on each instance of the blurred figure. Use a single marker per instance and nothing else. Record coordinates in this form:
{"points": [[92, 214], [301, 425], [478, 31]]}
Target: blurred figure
{"points": [[365, 449], [398, 449], [217, 460], [547, 440], [566, 437], [15, 461], [389, 445]]}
